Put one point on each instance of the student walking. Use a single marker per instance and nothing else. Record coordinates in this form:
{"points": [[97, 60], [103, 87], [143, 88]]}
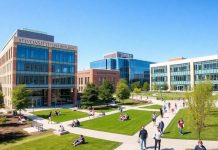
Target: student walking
{"points": [[169, 106], [154, 117], [161, 126], [200, 146], [181, 125], [161, 112], [143, 134], [157, 138]]}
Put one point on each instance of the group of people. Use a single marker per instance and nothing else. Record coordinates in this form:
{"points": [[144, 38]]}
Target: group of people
{"points": [[75, 123], [56, 113], [143, 134], [124, 117]]}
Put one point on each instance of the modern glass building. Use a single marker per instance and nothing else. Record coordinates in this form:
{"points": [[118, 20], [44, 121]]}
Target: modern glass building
{"points": [[130, 69], [47, 68], [181, 74]]}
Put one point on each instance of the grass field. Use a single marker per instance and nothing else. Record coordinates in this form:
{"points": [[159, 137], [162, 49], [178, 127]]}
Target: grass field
{"points": [[49, 141], [209, 133], [66, 114], [105, 108], [112, 123], [131, 102], [153, 107]]}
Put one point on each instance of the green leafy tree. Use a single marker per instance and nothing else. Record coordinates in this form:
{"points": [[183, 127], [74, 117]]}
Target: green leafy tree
{"points": [[146, 86], [90, 95], [122, 90], [164, 86], [137, 90], [106, 91], [200, 104], [135, 85], [1, 100], [21, 97], [155, 87]]}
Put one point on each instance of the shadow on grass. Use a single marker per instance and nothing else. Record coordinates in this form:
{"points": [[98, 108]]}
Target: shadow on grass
{"points": [[166, 132], [12, 137], [212, 125], [186, 132]]}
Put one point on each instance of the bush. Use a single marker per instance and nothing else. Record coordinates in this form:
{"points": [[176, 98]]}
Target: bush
{"points": [[3, 120]]}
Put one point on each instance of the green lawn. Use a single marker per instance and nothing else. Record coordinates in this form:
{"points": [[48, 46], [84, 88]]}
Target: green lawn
{"points": [[112, 123], [209, 133], [105, 108], [131, 102], [153, 107], [66, 114], [50, 141]]}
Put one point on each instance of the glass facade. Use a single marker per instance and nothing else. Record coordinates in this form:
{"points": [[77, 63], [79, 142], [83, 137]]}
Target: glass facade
{"points": [[63, 68], [180, 77], [207, 70], [159, 75], [32, 66], [130, 69], [32, 70], [139, 71]]}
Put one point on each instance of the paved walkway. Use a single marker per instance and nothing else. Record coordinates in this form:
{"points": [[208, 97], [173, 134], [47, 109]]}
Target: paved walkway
{"points": [[130, 142]]}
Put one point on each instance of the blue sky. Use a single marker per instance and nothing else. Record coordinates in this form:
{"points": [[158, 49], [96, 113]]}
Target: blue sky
{"points": [[154, 30]]}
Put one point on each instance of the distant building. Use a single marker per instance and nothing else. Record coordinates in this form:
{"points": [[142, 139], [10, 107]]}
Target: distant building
{"points": [[47, 68], [130, 69], [96, 76], [182, 74]]}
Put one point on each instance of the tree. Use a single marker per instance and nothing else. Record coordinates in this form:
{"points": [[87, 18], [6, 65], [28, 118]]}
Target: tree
{"points": [[122, 90], [137, 90], [90, 95], [200, 104], [106, 91], [155, 87], [146, 86], [21, 97], [1, 100], [164, 86], [135, 85]]}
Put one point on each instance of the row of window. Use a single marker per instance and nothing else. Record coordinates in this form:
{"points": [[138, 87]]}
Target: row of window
{"points": [[62, 56], [32, 66], [32, 52], [31, 79], [62, 68], [159, 79], [180, 78], [159, 69], [85, 79], [7, 56], [56, 79], [179, 68], [200, 77], [206, 65]]}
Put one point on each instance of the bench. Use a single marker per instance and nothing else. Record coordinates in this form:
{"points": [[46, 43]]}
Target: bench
{"points": [[39, 126]]}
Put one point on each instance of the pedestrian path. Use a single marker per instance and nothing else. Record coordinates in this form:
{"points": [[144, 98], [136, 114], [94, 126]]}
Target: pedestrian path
{"points": [[129, 142]]}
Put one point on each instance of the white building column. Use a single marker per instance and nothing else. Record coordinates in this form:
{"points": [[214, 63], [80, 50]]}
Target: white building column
{"points": [[168, 77], [192, 75]]}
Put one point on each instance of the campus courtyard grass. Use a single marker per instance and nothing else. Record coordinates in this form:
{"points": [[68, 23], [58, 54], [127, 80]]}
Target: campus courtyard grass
{"points": [[50, 141], [209, 132], [66, 114], [112, 123], [152, 107], [105, 108]]}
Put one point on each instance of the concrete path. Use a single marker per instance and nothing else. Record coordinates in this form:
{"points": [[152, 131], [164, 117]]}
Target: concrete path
{"points": [[130, 142]]}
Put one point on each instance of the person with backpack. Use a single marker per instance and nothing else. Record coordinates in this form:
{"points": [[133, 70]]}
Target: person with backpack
{"points": [[143, 134]]}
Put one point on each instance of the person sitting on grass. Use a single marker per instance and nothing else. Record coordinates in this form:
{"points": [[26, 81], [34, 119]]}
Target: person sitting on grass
{"points": [[124, 117], [79, 141]]}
